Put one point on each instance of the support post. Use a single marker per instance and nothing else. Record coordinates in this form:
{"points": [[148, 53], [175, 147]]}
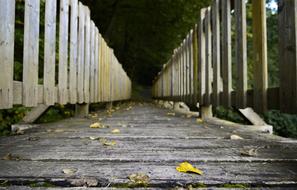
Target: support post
{"points": [[206, 112], [81, 110]]}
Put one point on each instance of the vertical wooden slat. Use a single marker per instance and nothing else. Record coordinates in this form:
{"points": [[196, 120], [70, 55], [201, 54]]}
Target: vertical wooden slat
{"points": [[201, 58], [191, 59], [288, 55], [7, 22], [49, 52], [216, 53], [81, 52], [241, 53], [96, 65], [195, 64], [226, 52], [208, 61], [63, 52], [260, 55], [87, 55], [92, 66], [31, 50], [73, 52]]}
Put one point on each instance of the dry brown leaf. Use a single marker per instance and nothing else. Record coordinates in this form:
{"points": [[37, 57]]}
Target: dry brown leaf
{"points": [[139, 179], [97, 125], [171, 114], [115, 131], [235, 137], [249, 152], [33, 138], [69, 171], [106, 142], [9, 156], [199, 120]]}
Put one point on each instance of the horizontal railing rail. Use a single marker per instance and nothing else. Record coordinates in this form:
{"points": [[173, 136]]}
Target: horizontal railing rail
{"points": [[87, 71], [200, 69]]}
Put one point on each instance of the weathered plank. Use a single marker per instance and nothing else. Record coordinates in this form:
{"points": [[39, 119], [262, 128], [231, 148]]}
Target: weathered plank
{"points": [[73, 61], [216, 53], [201, 58], [195, 64], [208, 60], [260, 55], [92, 66], [226, 53], [241, 53], [7, 22], [87, 55], [31, 53], [63, 52], [288, 55], [97, 62], [81, 53]]}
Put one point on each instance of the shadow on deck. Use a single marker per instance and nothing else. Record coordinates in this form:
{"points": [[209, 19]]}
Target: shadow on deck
{"points": [[150, 142]]}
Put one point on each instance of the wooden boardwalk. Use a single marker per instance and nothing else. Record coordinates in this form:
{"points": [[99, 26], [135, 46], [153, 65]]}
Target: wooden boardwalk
{"points": [[150, 142]]}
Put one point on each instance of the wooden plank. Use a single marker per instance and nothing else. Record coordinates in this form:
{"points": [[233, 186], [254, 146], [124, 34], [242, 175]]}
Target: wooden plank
{"points": [[191, 67], [49, 51], [288, 55], [241, 53], [252, 117], [31, 53], [73, 52], [216, 53], [92, 66], [97, 40], [195, 64], [7, 22], [208, 53], [81, 53], [260, 55], [201, 58], [63, 52], [87, 56], [226, 52], [35, 113]]}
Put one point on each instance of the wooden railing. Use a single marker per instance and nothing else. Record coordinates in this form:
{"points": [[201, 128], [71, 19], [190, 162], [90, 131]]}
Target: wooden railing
{"points": [[200, 69], [88, 71]]}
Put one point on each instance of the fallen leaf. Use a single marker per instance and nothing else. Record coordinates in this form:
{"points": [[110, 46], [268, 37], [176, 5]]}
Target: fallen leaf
{"points": [[9, 156], [171, 114], [249, 152], [59, 131], [106, 142], [139, 179], [199, 120], [115, 131], [94, 138], [69, 171], [33, 138], [97, 126], [186, 167], [235, 137]]}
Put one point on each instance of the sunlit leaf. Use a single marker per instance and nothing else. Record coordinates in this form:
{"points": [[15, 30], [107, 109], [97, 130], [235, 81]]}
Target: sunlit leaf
{"points": [[186, 167]]}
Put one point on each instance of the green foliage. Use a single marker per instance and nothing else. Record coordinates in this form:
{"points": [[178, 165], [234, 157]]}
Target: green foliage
{"points": [[229, 115], [56, 113]]}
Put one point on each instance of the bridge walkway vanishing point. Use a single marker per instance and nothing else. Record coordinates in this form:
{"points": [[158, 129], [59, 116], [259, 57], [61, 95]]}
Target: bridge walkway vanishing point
{"points": [[151, 142]]}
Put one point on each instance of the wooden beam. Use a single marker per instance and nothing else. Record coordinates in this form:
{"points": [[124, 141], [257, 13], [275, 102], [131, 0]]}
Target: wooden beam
{"points": [[81, 53], [288, 55], [208, 61], [7, 22], [201, 58], [260, 55]]}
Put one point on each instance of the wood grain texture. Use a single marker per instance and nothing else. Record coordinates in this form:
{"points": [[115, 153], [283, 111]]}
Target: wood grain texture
{"points": [[260, 55], [7, 22], [201, 57], [226, 52], [63, 52], [73, 61], [87, 57], [92, 63], [81, 54], [241, 53], [31, 53], [288, 55], [208, 61]]}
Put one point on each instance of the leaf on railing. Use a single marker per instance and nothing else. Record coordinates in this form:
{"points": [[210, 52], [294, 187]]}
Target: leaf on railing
{"points": [[186, 167]]}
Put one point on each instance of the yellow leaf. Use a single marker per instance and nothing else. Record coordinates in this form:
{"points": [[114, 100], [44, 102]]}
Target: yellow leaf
{"points": [[171, 114], [139, 178], [97, 125], [199, 120], [186, 167], [115, 131], [110, 143]]}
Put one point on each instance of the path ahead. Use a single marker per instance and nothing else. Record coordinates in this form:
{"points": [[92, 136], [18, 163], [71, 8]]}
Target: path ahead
{"points": [[150, 142]]}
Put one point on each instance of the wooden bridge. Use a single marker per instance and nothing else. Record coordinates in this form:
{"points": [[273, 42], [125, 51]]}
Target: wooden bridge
{"points": [[140, 145]]}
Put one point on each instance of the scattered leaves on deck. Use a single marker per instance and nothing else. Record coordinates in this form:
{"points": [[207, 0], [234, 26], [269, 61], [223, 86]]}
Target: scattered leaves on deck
{"points": [[199, 120], [94, 138], [139, 179], [9, 156], [235, 137], [186, 167], [106, 142], [249, 152], [115, 131], [97, 125], [69, 171]]}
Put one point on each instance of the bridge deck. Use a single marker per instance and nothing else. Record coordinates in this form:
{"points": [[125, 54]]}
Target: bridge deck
{"points": [[149, 142]]}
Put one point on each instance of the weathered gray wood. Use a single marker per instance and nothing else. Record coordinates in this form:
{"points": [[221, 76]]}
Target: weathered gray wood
{"points": [[288, 55], [208, 61], [87, 55], [92, 63], [73, 61], [226, 52], [81, 53], [63, 52], [7, 20], [35, 113], [49, 52], [201, 58], [216, 53], [97, 62], [31, 53], [81, 110], [195, 64], [260, 55], [252, 116], [241, 53]]}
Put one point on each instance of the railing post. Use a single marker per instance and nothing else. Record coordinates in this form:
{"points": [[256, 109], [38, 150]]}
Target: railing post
{"points": [[81, 110], [260, 55], [201, 58], [208, 62], [288, 55]]}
